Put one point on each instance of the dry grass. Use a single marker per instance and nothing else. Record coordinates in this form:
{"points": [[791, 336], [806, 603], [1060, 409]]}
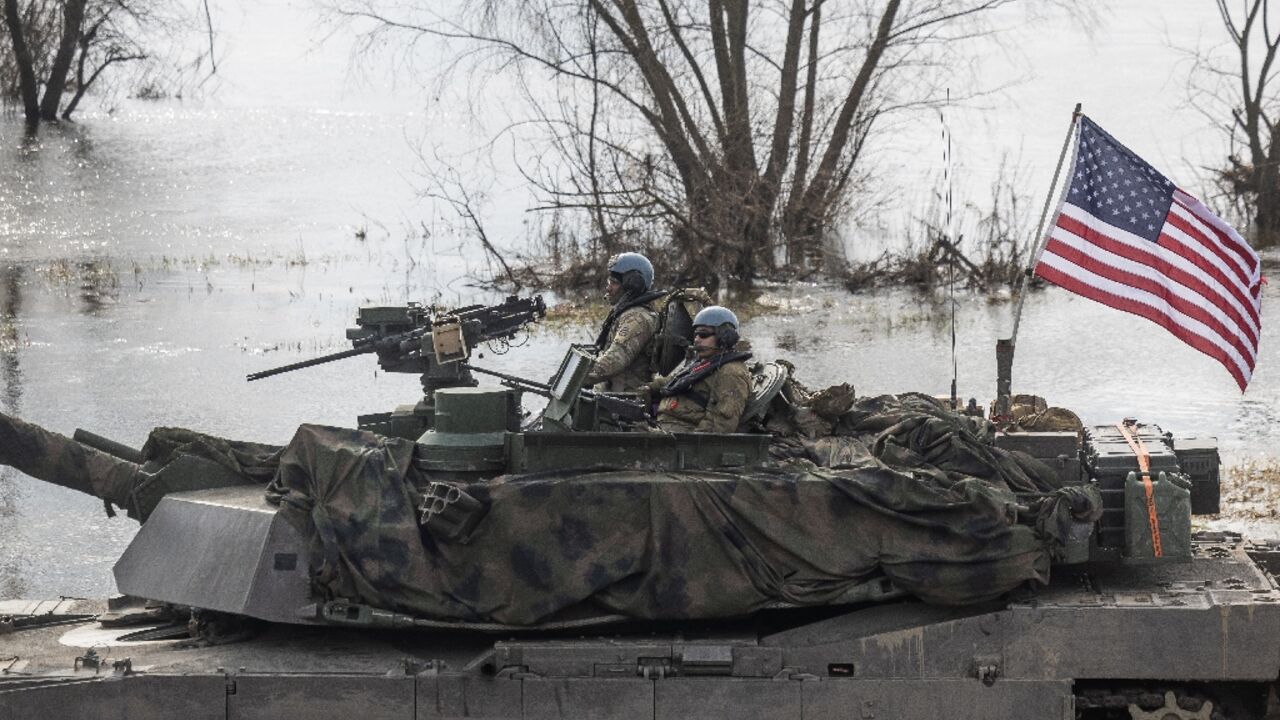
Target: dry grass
{"points": [[573, 313], [1251, 490], [746, 305]]}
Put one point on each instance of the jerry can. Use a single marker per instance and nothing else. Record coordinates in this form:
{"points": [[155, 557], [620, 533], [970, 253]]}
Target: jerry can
{"points": [[1157, 517]]}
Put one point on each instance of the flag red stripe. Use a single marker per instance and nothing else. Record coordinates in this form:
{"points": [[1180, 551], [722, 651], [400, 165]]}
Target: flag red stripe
{"points": [[1229, 238], [1160, 265], [1237, 290], [1209, 245], [1079, 287], [1124, 277]]}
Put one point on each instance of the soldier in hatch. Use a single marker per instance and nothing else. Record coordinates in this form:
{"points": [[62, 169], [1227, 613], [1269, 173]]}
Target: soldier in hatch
{"points": [[709, 392], [623, 362]]}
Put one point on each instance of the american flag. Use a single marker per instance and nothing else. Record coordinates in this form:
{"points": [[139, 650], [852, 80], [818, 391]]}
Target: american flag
{"points": [[1129, 238]]}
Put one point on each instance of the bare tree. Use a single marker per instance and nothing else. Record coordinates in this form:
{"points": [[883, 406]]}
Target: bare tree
{"points": [[23, 31], [1236, 91], [65, 45], [738, 126], [111, 35], [27, 54]]}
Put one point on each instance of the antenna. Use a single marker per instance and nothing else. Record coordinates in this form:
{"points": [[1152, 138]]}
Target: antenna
{"points": [[951, 240]]}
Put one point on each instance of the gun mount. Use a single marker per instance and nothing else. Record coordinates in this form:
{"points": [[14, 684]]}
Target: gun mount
{"points": [[428, 341]]}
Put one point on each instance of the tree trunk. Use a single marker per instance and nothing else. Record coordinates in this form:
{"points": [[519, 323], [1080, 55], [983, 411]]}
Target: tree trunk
{"points": [[72, 21], [1267, 215], [26, 65], [806, 219]]}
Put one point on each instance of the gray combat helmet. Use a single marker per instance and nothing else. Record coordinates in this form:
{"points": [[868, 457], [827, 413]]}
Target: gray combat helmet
{"points": [[715, 316], [626, 262], [724, 322]]}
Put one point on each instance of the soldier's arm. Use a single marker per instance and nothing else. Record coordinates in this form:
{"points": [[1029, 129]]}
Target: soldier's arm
{"points": [[730, 389], [630, 338]]}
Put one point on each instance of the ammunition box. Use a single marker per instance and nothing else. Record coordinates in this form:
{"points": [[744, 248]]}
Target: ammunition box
{"points": [[1108, 459], [1041, 445], [1109, 455], [1198, 458], [1059, 450]]}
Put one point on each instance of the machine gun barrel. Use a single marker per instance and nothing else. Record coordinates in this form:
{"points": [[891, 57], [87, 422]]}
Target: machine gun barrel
{"points": [[542, 388], [619, 407], [310, 363]]}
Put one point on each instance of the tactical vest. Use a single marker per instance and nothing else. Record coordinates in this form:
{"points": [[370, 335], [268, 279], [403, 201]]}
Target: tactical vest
{"points": [[681, 384]]}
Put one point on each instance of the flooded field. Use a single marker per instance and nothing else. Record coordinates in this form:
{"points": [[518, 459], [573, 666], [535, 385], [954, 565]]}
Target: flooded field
{"points": [[153, 255], [121, 350]]}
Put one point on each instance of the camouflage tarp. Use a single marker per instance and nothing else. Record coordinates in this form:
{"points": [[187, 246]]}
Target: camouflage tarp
{"points": [[908, 490], [60, 460], [900, 487]]}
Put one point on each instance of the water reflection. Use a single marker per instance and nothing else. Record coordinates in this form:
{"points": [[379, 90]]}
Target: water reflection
{"points": [[30, 143], [12, 572], [99, 286], [10, 313]]}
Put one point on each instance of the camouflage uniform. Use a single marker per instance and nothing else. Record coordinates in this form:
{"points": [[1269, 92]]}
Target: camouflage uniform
{"points": [[623, 364], [726, 390]]}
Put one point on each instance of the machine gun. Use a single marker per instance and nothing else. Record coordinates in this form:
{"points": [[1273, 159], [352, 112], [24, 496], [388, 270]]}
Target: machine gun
{"points": [[411, 338], [428, 341]]}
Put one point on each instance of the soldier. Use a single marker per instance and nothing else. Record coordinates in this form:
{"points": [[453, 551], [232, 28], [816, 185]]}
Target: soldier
{"points": [[623, 362], [710, 391]]}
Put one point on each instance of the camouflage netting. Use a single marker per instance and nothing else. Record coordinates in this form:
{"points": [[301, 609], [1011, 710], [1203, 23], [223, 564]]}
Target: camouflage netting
{"points": [[904, 489], [894, 486]]}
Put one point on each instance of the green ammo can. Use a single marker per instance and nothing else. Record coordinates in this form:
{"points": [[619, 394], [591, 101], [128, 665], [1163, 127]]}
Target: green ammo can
{"points": [[1157, 517]]}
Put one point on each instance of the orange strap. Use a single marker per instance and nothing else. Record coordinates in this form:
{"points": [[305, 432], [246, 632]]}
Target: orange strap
{"points": [[1144, 465]]}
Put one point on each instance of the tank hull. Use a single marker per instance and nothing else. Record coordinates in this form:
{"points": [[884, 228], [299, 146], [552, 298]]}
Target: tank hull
{"points": [[1211, 625]]}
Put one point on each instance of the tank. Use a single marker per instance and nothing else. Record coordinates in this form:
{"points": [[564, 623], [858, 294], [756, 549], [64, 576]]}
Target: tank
{"points": [[1084, 595]]}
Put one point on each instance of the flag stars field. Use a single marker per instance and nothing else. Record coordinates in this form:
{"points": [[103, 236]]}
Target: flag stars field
{"points": [[1164, 256]]}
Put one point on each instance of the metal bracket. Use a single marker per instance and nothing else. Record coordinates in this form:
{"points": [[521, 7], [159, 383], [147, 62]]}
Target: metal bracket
{"points": [[230, 681], [655, 668], [987, 669], [90, 659]]}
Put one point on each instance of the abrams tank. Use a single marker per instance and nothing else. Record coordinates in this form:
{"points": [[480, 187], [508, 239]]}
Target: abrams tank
{"points": [[884, 558]]}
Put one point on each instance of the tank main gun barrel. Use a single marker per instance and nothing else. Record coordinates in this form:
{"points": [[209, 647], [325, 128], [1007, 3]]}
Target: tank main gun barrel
{"points": [[107, 445]]}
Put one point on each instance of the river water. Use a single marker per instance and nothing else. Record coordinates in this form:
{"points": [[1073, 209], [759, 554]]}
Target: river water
{"points": [[154, 253]]}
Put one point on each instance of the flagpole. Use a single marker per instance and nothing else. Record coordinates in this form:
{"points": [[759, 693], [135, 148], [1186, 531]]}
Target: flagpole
{"points": [[1020, 296], [1005, 346]]}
